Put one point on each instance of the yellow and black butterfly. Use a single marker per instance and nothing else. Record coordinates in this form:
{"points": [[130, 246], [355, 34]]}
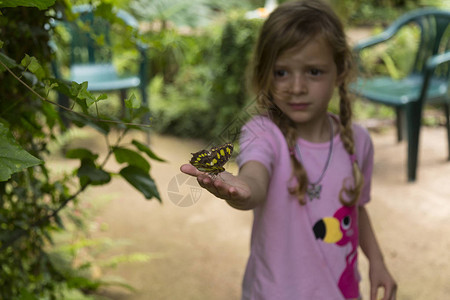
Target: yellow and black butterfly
{"points": [[212, 161]]}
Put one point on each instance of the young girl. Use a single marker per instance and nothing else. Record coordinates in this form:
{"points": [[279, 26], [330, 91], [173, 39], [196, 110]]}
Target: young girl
{"points": [[305, 172]]}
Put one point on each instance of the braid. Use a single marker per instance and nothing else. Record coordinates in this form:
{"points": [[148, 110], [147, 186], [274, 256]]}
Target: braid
{"points": [[349, 145], [299, 171], [292, 24], [345, 111], [288, 129]]}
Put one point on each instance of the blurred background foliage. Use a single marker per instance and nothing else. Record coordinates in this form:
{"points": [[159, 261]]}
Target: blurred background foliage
{"points": [[198, 72], [199, 51]]}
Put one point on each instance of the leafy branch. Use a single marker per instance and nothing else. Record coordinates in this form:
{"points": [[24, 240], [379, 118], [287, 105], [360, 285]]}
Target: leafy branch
{"points": [[54, 213], [88, 172], [96, 119], [32, 198]]}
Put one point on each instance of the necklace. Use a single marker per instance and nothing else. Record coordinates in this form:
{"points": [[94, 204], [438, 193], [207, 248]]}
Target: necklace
{"points": [[314, 188]]}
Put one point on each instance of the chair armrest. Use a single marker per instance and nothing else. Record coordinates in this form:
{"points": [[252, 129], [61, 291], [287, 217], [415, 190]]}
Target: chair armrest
{"points": [[436, 60], [381, 37], [127, 18], [378, 39], [394, 28], [372, 41], [430, 66]]}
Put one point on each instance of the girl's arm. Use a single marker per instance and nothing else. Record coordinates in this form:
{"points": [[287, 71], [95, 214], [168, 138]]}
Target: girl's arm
{"points": [[378, 273], [244, 192]]}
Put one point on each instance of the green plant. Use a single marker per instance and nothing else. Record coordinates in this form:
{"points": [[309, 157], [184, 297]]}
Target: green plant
{"points": [[395, 57], [32, 197], [229, 92], [369, 12], [180, 106], [83, 257], [209, 90]]}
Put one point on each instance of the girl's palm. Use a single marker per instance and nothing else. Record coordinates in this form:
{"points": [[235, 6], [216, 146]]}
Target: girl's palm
{"points": [[224, 185]]}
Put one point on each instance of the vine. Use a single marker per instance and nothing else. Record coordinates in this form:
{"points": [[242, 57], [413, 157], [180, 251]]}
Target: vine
{"points": [[32, 198]]}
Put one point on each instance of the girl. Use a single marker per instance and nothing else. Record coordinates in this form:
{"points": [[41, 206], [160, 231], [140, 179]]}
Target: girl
{"points": [[305, 173]]}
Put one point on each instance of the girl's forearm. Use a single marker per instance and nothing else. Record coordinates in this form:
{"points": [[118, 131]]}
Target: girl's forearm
{"points": [[256, 196], [251, 186], [367, 239]]}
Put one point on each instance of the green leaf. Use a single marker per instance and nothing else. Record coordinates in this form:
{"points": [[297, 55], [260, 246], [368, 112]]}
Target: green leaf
{"points": [[51, 114], [89, 173], [113, 262], [80, 282], [79, 92], [390, 66], [90, 99], [81, 153], [133, 102], [106, 11], [41, 4], [1, 44], [49, 86], [32, 64], [7, 61], [101, 97], [81, 121], [26, 295], [141, 180], [131, 157], [13, 158], [146, 150]]}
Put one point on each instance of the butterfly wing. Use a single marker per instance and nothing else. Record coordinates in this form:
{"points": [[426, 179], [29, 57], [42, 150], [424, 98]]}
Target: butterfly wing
{"points": [[212, 161], [200, 158]]}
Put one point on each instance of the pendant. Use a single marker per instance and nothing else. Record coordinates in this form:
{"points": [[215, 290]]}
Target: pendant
{"points": [[313, 191]]}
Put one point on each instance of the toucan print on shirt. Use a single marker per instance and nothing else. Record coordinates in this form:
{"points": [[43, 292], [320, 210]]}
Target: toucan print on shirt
{"points": [[341, 229]]}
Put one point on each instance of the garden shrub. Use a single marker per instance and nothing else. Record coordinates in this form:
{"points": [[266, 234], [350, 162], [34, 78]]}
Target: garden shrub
{"points": [[229, 92], [33, 198], [394, 58], [210, 88]]}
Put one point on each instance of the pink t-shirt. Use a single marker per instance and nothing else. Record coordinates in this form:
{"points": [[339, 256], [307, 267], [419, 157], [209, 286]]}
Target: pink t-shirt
{"points": [[309, 251]]}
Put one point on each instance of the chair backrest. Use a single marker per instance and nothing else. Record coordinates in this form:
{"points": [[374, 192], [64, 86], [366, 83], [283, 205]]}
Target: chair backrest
{"points": [[91, 36], [434, 35]]}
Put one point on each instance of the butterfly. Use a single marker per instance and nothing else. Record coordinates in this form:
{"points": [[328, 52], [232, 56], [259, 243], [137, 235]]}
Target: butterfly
{"points": [[212, 161]]}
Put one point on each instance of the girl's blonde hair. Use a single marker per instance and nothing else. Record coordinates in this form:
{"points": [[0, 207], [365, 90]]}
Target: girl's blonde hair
{"points": [[290, 25]]}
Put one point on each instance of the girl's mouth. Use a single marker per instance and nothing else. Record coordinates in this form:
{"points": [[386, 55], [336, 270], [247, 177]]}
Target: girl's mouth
{"points": [[298, 106]]}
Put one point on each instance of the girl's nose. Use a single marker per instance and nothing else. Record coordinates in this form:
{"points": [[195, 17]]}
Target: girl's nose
{"points": [[298, 84]]}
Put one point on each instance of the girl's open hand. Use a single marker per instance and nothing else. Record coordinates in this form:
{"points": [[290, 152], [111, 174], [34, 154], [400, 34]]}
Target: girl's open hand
{"points": [[225, 186]]}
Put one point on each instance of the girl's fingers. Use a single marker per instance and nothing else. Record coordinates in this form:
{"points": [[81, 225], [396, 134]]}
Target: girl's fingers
{"points": [[216, 186], [190, 170], [373, 292], [205, 181], [222, 189], [391, 291]]}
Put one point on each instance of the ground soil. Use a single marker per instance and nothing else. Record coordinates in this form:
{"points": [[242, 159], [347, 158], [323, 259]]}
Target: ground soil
{"points": [[200, 245]]}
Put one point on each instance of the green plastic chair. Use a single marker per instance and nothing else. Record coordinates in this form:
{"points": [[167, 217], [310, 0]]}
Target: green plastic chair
{"points": [[427, 81], [91, 60]]}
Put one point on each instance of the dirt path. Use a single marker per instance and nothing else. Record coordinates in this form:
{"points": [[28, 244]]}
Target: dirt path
{"points": [[201, 249]]}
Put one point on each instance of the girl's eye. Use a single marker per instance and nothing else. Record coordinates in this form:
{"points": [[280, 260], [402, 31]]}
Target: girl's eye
{"points": [[280, 73], [315, 72]]}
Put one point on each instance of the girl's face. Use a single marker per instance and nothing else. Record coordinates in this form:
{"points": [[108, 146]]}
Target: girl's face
{"points": [[304, 81]]}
